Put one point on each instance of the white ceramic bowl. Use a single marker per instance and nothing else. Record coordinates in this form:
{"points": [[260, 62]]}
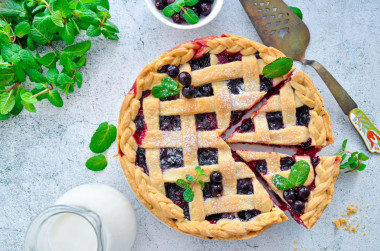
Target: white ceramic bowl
{"points": [[216, 7]]}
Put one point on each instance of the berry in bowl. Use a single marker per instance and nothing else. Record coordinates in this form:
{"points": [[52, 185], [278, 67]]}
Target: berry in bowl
{"points": [[185, 14]]}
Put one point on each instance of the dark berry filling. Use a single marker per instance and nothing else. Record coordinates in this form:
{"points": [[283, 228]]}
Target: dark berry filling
{"points": [[141, 160], [206, 121], [177, 18], [244, 186], [216, 189], [236, 116], [265, 84], [228, 57], [161, 4], [207, 191], [275, 121], [257, 55], [303, 115], [170, 123], [296, 197], [247, 215], [203, 91], [235, 86], [171, 158], [207, 156], [188, 91], [139, 120], [175, 193], [173, 71], [184, 78], [170, 98], [246, 126], [216, 177], [259, 165], [200, 63], [213, 218], [305, 145], [163, 69], [315, 161], [286, 163]]}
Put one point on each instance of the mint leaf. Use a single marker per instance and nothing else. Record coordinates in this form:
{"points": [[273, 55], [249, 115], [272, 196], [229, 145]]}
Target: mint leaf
{"points": [[361, 166], [36, 76], [18, 106], [97, 163], [27, 96], [62, 6], [190, 2], [200, 172], [182, 183], [28, 106], [278, 68], [169, 10], [362, 157], [12, 8], [55, 98], [190, 16], [188, 195], [102, 139], [22, 29], [190, 178], [281, 182], [78, 78], [68, 33], [93, 31], [299, 173], [49, 60], [7, 74], [168, 87], [344, 145], [56, 17], [79, 49], [7, 102], [296, 11], [202, 184], [4, 117]]}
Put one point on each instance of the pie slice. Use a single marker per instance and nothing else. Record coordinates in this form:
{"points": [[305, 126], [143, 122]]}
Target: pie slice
{"points": [[163, 139], [306, 203], [294, 116]]}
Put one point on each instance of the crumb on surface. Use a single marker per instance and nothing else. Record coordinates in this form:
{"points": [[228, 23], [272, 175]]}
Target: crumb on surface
{"points": [[340, 222], [354, 230], [351, 210], [295, 241], [295, 248]]}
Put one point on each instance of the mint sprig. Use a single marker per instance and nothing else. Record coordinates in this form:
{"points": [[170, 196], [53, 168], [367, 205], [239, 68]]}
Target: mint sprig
{"points": [[296, 11], [354, 162], [168, 87], [189, 183], [297, 177], [27, 25], [278, 67], [102, 139], [189, 15]]}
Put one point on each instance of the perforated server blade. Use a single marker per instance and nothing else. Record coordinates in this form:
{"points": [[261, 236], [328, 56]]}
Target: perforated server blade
{"points": [[280, 28]]}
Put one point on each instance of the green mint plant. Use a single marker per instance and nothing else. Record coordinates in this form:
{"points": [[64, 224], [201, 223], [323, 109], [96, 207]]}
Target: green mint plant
{"points": [[28, 25], [102, 139], [189, 183], [296, 11], [188, 14], [297, 177], [168, 87], [354, 162], [278, 67]]}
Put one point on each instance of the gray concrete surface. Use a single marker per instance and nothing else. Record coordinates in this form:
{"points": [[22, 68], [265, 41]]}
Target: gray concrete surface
{"points": [[42, 155]]}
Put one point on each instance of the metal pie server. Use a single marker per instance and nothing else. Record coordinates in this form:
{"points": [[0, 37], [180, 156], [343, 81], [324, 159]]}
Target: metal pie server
{"points": [[280, 28]]}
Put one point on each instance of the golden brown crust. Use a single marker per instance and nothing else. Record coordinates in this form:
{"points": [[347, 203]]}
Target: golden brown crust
{"points": [[150, 191]]}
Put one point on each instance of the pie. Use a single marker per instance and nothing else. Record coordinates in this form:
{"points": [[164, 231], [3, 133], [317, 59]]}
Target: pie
{"points": [[163, 139], [313, 196]]}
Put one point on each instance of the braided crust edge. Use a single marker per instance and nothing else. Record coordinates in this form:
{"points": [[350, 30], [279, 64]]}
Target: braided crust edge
{"points": [[326, 174], [157, 203], [320, 124]]}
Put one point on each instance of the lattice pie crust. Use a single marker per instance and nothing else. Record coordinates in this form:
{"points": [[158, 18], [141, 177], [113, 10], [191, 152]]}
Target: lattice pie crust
{"points": [[151, 184]]}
